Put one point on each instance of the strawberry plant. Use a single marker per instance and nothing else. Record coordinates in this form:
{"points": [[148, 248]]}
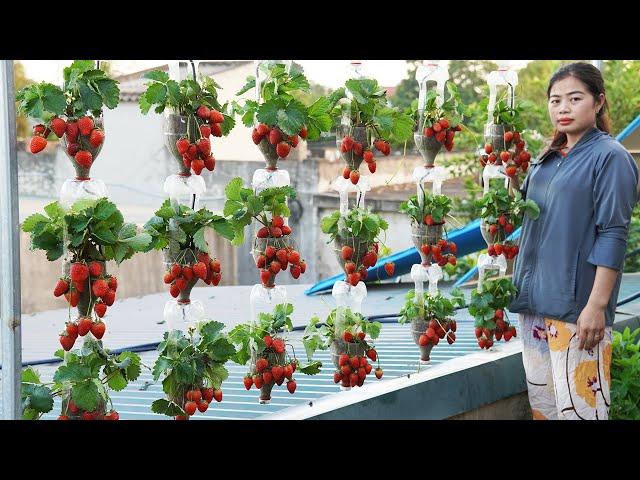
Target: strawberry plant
{"points": [[488, 309], [501, 214], [436, 126], [264, 346], [431, 318], [94, 232], [279, 118], [356, 238], [192, 369], [273, 249], [365, 122], [196, 115], [179, 231], [503, 134], [82, 383], [345, 333], [73, 113]]}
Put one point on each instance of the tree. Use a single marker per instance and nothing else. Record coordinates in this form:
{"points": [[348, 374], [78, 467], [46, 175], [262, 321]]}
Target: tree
{"points": [[622, 83]]}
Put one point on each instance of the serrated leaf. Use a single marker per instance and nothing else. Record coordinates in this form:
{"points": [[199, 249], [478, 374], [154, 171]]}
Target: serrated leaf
{"points": [[221, 350], [54, 210], [91, 99], [138, 242], [109, 91], [30, 375], [165, 407], [157, 75], [156, 93], [233, 188], [311, 369], [117, 382], [217, 374], [105, 235], [373, 329], [161, 366], [85, 395], [39, 397], [210, 330], [104, 209], [31, 221], [72, 373], [224, 229], [199, 241]]}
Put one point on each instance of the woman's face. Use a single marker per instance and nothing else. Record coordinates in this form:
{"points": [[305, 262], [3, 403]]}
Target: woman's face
{"points": [[572, 108]]}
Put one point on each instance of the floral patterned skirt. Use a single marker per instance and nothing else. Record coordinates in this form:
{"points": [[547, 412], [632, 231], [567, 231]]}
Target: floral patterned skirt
{"points": [[564, 383]]}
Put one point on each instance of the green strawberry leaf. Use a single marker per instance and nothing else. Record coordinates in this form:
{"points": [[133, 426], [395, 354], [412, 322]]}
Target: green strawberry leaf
{"points": [[165, 407]]}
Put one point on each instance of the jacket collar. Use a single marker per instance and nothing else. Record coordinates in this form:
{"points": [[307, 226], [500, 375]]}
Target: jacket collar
{"points": [[587, 138]]}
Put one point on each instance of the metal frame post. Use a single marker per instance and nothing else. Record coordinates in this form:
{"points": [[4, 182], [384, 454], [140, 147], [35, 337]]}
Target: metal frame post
{"points": [[10, 310]]}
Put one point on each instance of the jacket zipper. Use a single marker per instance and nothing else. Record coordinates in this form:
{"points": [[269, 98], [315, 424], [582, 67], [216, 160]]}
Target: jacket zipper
{"points": [[533, 269]]}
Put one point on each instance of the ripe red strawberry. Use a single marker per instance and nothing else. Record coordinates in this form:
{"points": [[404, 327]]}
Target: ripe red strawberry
{"points": [[72, 132], [347, 252], [294, 140], [204, 146], [255, 136], [368, 156], [183, 146], [200, 270], [174, 290], [283, 149], [205, 131], [379, 373], [72, 149], [258, 381], [67, 341], [451, 337], [63, 417], [261, 364], [275, 136], [508, 136], [95, 269], [88, 415], [488, 148], [353, 278], [248, 382], [437, 127], [97, 329], [181, 283], [190, 408], [73, 298], [278, 345], [362, 373], [288, 371], [186, 161], [72, 329], [291, 386], [99, 287], [372, 354], [84, 158], [389, 267], [203, 112], [79, 272], [505, 156], [441, 136], [370, 258], [100, 309], [345, 369], [197, 166], [215, 116], [210, 163], [277, 372], [267, 378], [337, 376], [216, 130], [357, 149], [262, 129], [354, 176], [346, 173], [217, 394], [444, 123], [428, 220], [39, 129], [37, 144], [355, 363], [347, 144], [293, 257], [303, 133], [525, 156], [303, 266], [372, 167], [428, 132], [168, 277], [215, 278], [498, 248], [96, 138], [349, 267], [61, 288], [270, 251], [275, 267], [203, 405], [85, 125], [261, 261], [492, 158], [276, 232], [347, 336], [265, 277], [59, 126], [263, 232], [423, 341], [214, 265], [452, 260], [511, 171], [295, 271], [84, 326], [453, 248]]}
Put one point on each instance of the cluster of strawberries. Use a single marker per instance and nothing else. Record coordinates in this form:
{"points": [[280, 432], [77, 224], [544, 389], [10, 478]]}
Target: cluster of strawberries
{"points": [[81, 327], [83, 276], [206, 269], [504, 227], [77, 413], [278, 256], [199, 399], [79, 135], [277, 138], [357, 150], [270, 374], [436, 331], [197, 156], [353, 370], [503, 330], [353, 272], [443, 132], [518, 159], [442, 252]]}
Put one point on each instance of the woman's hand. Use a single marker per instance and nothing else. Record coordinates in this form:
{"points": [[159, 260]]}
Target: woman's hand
{"points": [[590, 326]]}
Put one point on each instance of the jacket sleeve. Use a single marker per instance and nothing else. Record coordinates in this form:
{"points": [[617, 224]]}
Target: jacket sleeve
{"points": [[614, 196]]}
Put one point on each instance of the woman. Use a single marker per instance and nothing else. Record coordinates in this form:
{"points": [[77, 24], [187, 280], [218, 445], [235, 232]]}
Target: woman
{"points": [[571, 257]]}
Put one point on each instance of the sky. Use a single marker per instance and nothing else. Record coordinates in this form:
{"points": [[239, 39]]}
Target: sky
{"points": [[330, 73]]}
